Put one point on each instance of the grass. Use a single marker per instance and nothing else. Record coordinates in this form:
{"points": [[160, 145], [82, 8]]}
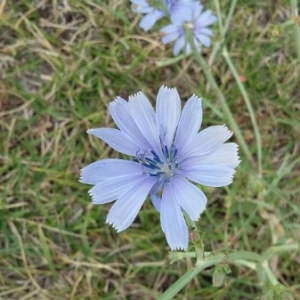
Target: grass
{"points": [[61, 63]]}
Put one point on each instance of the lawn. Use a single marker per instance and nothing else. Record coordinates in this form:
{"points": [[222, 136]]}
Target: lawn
{"points": [[61, 63]]}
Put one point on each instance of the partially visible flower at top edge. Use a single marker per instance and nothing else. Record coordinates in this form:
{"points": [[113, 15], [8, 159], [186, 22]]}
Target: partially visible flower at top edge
{"points": [[153, 10], [181, 10], [197, 24], [169, 153], [152, 14]]}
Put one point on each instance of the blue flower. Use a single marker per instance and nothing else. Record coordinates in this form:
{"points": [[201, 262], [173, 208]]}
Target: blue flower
{"points": [[180, 10], [197, 24], [177, 9], [169, 153]]}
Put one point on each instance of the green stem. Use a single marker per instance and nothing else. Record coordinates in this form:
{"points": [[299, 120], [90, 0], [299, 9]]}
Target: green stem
{"points": [[173, 290], [238, 81], [249, 107], [229, 16], [199, 246], [220, 22], [280, 248], [294, 9], [245, 263], [189, 221], [232, 123], [176, 256], [273, 280], [219, 44]]}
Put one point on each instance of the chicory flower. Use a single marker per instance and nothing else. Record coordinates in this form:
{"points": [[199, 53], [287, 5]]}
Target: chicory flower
{"points": [[169, 155]]}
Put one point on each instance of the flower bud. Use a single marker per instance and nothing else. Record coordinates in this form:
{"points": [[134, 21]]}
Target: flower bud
{"points": [[219, 274]]}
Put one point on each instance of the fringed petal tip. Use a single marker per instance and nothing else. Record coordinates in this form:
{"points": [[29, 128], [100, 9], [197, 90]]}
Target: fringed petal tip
{"points": [[93, 198], [167, 88], [229, 131], [138, 94], [115, 227], [231, 177], [116, 100], [83, 177], [80, 177], [94, 202], [179, 248], [199, 216], [113, 102], [90, 130], [196, 96]]}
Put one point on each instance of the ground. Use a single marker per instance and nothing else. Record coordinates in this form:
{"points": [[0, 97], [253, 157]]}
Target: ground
{"points": [[61, 63]]}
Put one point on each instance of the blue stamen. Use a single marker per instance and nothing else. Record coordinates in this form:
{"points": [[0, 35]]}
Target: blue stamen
{"points": [[150, 160], [174, 151], [151, 166], [154, 166], [166, 151], [156, 156]]}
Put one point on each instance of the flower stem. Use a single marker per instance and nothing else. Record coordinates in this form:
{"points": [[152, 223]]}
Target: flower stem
{"points": [[199, 245], [249, 107], [220, 22], [173, 290], [229, 16], [232, 123], [213, 260], [188, 276], [273, 280], [218, 44], [241, 87], [294, 9], [280, 248]]}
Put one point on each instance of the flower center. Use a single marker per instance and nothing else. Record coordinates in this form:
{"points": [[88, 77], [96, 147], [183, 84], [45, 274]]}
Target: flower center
{"points": [[154, 166], [188, 26]]}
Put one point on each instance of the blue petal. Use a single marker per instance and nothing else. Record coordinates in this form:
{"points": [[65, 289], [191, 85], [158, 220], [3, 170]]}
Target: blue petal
{"points": [[111, 189], [179, 44], [197, 12], [169, 29], [144, 116], [172, 221], [205, 141], [168, 110], [140, 2], [214, 176], [203, 39], [205, 31], [225, 155], [143, 9], [190, 198], [190, 122], [108, 168], [116, 139], [125, 209], [156, 201], [150, 19], [142, 6], [170, 37], [180, 13], [206, 19], [119, 110]]}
